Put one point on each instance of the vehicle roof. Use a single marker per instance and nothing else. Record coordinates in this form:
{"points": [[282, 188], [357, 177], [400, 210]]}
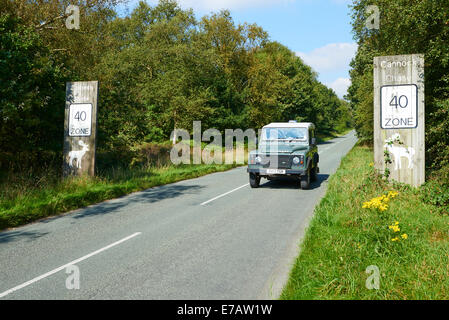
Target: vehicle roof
{"points": [[308, 125]]}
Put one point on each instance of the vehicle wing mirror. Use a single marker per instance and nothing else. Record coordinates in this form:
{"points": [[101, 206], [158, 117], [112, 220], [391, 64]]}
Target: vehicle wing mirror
{"points": [[314, 141]]}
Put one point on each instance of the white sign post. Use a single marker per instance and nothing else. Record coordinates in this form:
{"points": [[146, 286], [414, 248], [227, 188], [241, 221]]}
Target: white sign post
{"points": [[399, 126], [80, 128]]}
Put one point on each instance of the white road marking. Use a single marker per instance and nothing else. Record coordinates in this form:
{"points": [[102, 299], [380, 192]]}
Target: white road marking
{"points": [[224, 194], [23, 285]]}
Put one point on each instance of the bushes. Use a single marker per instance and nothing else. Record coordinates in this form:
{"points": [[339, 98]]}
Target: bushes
{"points": [[437, 140], [159, 68], [437, 193], [152, 154], [429, 21], [31, 97]]}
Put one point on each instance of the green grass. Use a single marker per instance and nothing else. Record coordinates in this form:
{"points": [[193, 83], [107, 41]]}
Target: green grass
{"points": [[343, 240], [24, 200]]}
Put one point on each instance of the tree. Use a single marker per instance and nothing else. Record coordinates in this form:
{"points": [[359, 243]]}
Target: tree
{"points": [[429, 22], [159, 69], [31, 94]]}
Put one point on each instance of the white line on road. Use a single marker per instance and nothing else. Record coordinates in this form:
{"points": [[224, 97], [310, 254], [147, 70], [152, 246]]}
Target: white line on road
{"points": [[222, 195], [23, 285]]}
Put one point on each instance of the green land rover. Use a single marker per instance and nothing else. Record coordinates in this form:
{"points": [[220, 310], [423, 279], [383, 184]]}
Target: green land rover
{"points": [[285, 149]]}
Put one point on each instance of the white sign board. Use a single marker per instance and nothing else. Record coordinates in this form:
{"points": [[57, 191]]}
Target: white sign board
{"points": [[399, 106], [80, 120], [399, 118], [80, 128]]}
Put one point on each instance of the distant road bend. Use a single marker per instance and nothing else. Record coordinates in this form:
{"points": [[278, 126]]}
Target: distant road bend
{"points": [[207, 238]]}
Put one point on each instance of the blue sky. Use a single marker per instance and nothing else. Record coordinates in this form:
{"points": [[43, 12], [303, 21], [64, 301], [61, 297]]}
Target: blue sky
{"points": [[319, 31]]}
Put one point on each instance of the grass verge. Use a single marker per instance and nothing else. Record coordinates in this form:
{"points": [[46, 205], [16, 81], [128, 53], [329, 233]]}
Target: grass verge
{"points": [[21, 204], [343, 239]]}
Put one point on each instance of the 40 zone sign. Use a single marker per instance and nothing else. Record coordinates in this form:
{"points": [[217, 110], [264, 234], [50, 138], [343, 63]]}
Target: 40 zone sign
{"points": [[80, 120], [399, 107]]}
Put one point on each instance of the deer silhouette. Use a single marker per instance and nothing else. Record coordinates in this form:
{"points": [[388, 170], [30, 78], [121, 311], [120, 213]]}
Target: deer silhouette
{"points": [[78, 155], [399, 152]]}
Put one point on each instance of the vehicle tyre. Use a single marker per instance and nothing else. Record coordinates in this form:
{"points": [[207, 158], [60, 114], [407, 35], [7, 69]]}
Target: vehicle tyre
{"points": [[254, 180], [305, 181], [313, 174]]}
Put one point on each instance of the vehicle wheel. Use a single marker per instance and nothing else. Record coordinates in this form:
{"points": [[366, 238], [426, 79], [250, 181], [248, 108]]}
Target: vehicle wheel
{"points": [[254, 180], [313, 174], [305, 181]]}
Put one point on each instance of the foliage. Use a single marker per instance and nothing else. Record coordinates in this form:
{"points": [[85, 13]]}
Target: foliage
{"points": [[407, 241], [159, 68], [437, 193], [429, 21], [31, 96]]}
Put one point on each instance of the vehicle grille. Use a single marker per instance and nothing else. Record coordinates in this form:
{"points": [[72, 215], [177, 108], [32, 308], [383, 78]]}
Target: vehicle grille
{"points": [[277, 162]]}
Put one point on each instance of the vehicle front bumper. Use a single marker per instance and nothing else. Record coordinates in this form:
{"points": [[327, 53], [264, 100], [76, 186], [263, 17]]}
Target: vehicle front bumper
{"points": [[263, 171]]}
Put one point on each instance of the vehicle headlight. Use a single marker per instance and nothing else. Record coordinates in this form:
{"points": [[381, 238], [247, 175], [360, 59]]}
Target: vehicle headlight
{"points": [[296, 160], [258, 159]]}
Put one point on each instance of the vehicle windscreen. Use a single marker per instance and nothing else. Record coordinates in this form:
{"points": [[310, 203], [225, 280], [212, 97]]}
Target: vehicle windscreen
{"points": [[284, 134]]}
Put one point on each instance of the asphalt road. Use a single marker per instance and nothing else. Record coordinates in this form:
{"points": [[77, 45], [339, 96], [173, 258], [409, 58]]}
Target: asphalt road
{"points": [[207, 238]]}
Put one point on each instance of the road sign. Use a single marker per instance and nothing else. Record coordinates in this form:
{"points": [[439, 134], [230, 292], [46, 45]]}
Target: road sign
{"points": [[399, 106], [80, 128], [80, 120], [399, 117]]}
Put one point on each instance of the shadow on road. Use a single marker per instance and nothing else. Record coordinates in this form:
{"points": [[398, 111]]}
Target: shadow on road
{"points": [[332, 141], [326, 143], [11, 236], [292, 183], [143, 197]]}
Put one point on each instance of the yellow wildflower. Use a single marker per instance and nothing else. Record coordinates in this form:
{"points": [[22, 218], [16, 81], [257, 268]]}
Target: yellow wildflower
{"points": [[404, 236], [380, 203], [394, 227], [395, 239], [392, 194]]}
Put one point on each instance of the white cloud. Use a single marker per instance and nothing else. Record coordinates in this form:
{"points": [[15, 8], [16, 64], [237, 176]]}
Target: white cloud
{"points": [[332, 61], [216, 5], [330, 58], [340, 86]]}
